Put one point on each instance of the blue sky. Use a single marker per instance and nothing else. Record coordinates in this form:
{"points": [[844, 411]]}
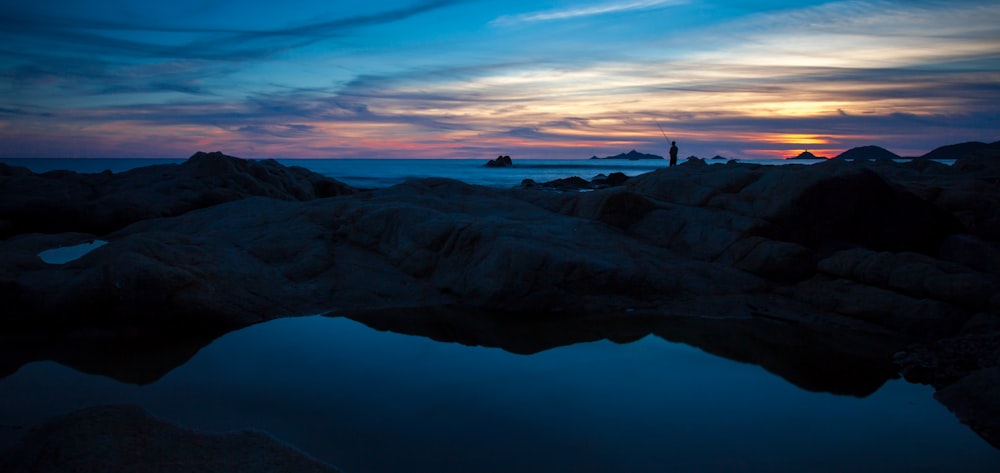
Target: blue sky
{"points": [[478, 78]]}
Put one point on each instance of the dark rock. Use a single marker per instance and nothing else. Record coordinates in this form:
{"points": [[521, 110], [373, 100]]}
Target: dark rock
{"points": [[983, 162], [576, 183], [623, 209], [971, 251], [922, 319], [612, 180], [573, 183], [500, 162], [616, 179], [859, 208], [917, 276], [694, 161], [127, 439], [100, 203], [777, 260], [7, 170]]}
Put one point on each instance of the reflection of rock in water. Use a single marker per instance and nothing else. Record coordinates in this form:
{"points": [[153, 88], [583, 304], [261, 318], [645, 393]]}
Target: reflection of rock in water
{"points": [[839, 361], [127, 439], [129, 358], [966, 372], [835, 361], [973, 399]]}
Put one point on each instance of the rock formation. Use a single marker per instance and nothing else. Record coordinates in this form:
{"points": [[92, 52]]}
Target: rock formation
{"points": [[893, 257], [500, 162], [60, 201], [576, 183]]}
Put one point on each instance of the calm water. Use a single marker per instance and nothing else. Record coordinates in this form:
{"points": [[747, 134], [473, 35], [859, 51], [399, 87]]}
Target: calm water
{"points": [[369, 173], [370, 401], [372, 173]]}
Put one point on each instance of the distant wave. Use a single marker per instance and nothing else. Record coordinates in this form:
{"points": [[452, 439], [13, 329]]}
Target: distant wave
{"points": [[589, 165]]}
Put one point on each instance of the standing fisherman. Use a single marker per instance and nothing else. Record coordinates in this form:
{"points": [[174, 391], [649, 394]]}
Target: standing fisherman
{"points": [[673, 146]]}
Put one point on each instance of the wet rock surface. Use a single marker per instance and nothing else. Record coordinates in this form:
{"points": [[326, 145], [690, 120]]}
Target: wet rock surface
{"points": [[905, 254]]}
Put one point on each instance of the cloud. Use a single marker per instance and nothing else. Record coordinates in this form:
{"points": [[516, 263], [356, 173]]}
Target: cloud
{"points": [[585, 11], [38, 32], [22, 112], [858, 33], [278, 130]]}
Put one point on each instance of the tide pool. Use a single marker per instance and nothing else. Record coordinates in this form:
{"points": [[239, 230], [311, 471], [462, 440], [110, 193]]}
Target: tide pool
{"points": [[371, 401]]}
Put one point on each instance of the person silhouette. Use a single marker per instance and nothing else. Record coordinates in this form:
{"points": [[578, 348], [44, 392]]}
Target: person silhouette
{"points": [[673, 153]]}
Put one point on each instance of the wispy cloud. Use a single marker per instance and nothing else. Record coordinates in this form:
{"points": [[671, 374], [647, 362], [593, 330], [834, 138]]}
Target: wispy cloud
{"points": [[585, 11], [40, 32]]}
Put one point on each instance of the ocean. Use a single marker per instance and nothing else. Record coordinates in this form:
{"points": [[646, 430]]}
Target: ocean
{"points": [[377, 173]]}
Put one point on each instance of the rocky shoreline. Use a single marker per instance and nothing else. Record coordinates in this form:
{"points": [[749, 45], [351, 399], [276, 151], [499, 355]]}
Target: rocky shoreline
{"points": [[894, 267]]}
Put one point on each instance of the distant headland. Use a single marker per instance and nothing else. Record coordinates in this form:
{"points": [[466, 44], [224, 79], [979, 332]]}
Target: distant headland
{"points": [[807, 155], [631, 156], [873, 153]]}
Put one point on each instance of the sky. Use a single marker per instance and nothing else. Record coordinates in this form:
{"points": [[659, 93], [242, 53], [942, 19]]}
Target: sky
{"points": [[480, 78]]}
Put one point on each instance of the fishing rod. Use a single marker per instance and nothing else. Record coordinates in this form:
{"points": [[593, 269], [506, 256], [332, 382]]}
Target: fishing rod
{"points": [[661, 131]]}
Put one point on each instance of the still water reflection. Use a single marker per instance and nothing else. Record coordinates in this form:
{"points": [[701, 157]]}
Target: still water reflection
{"points": [[370, 401]]}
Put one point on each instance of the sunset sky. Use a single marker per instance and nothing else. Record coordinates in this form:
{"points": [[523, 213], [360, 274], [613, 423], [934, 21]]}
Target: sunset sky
{"points": [[478, 78]]}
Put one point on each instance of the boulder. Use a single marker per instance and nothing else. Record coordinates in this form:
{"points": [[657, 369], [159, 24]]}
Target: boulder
{"points": [[857, 207], [612, 180], [915, 275], [922, 319], [574, 183], [63, 201]]}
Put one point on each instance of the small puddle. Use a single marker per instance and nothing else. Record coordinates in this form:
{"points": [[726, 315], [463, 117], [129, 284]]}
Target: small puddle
{"points": [[65, 254]]}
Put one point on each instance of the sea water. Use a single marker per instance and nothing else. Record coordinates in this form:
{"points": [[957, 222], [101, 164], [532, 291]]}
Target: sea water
{"points": [[376, 173], [374, 402]]}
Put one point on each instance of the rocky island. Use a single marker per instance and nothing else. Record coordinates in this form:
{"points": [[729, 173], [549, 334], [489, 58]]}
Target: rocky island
{"points": [[502, 161], [836, 276], [631, 156]]}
